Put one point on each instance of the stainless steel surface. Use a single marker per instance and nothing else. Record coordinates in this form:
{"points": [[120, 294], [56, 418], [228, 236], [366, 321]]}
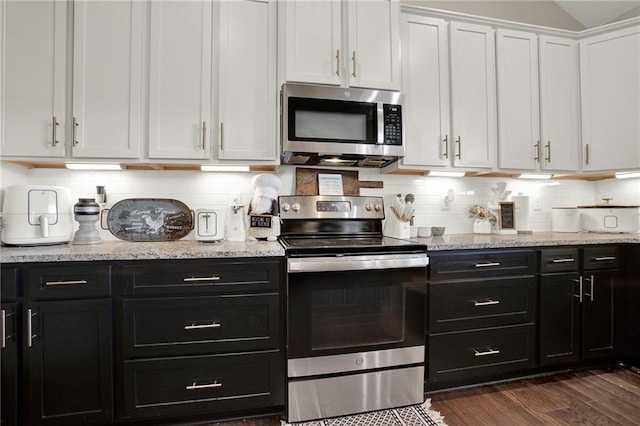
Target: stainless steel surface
{"points": [[446, 146], [459, 148], [489, 351], [353, 63], [364, 154], [54, 128], [356, 393], [200, 279], [201, 326], [537, 149], [204, 134], [71, 282], [604, 258], [485, 302], [357, 262], [487, 265], [591, 281], [30, 335], [309, 207], [4, 329], [74, 132], [338, 62], [563, 260], [221, 136], [195, 386], [380, 117], [548, 147], [357, 361], [586, 148], [580, 287]]}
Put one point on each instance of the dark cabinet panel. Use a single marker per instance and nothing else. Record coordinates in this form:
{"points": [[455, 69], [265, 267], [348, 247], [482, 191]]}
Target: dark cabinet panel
{"points": [[564, 259], [9, 283], [67, 281], [68, 359], [598, 314], [188, 325], [481, 263], [192, 385], [605, 257], [10, 389]]}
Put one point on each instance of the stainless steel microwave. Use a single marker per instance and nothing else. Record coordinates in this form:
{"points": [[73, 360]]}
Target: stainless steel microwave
{"points": [[337, 126]]}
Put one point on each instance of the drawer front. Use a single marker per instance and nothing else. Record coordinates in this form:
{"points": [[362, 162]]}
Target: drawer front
{"points": [[9, 284], [472, 355], [600, 258], [484, 263], [68, 281], [185, 277], [206, 384], [481, 303], [188, 325], [559, 260]]}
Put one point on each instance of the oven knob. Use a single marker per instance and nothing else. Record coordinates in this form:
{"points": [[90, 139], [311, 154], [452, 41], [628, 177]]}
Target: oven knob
{"points": [[378, 207], [285, 207], [295, 207], [367, 207]]}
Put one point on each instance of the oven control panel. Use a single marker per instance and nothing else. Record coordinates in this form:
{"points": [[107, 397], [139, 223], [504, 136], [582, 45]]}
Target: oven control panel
{"points": [[330, 207]]}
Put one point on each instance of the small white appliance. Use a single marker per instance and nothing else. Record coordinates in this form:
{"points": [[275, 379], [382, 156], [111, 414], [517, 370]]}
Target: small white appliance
{"points": [[210, 225], [609, 218], [37, 214], [565, 219], [237, 227]]}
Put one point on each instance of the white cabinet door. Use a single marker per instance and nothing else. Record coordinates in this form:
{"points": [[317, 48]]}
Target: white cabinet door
{"points": [[180, 79], [32, 78], [473, 94], [107, 79], [559, 104], [610, 77], [425, 84], [518, 102], [313, 41], [247, 80], [374, 44]]}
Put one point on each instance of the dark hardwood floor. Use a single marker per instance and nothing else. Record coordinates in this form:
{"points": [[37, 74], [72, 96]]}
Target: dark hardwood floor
{"points": [[591, 397]]}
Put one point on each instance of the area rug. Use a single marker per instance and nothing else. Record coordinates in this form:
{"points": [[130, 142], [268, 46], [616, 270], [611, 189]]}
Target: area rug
{"points": [[414, 415]]}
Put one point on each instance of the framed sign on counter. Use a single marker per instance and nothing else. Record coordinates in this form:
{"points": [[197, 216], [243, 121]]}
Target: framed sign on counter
{"points": [[507, 215]]}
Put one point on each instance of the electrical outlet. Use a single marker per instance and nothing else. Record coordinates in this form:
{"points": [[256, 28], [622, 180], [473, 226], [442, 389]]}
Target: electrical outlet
{"points": [[537, 204]]}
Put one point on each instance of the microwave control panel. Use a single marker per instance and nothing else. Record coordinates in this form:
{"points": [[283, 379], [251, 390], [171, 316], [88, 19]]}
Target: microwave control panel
{"points": [[392, 124]]}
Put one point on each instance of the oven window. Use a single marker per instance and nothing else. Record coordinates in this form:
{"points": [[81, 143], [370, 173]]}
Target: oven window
{"points": [[331, 125], [352, 317]]}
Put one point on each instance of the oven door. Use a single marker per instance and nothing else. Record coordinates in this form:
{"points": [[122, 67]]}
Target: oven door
{"points": [[367, 305]]}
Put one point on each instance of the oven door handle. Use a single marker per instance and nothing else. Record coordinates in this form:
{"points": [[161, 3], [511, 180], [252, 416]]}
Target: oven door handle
{"points": [[357, 263]]}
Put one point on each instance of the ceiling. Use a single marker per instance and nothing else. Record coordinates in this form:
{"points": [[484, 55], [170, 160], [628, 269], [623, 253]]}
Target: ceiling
{"points": [[594, 13]]}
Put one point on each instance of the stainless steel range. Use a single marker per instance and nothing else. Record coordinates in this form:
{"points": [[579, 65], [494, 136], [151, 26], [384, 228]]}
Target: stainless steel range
{"points": [[355, 309]]}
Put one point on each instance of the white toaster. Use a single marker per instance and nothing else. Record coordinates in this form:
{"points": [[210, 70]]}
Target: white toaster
{"points": [[606, 218], [37, 214], [210, 225]]}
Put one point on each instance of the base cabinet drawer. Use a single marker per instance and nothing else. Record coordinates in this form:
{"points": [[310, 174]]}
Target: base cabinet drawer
{"points": [[204, 384], [465, 357]]}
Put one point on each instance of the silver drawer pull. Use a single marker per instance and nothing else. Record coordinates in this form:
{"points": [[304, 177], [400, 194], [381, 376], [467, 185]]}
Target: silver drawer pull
{"points": [[209, 386], [488, 352], [4, 330], [197, 327], [603, 258], [563, 260], [72, 282], [485, 265], [198, 279], [485, 302]]}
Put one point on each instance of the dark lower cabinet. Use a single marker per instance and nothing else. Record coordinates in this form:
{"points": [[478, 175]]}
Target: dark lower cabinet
{"points": [[10, 366]]}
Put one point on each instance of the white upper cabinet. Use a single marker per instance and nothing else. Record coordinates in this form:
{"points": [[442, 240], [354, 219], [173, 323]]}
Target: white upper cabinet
{"points": [[180, 78], [247, 80], [425, 84], [32, 78], [559, 104], [518, 102], [473, 95], [107, 79], [610, 88], [351, 43]]}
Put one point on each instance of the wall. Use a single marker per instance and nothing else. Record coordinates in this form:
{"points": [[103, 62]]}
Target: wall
{"points": [[217, 190]]}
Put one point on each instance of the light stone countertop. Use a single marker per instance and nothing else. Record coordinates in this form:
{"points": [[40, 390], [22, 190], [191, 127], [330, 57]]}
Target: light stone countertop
{"points": [[188, 249]]}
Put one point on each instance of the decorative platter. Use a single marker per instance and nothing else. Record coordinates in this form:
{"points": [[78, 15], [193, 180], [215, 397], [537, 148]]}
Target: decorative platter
{"points": [[149, 219]]}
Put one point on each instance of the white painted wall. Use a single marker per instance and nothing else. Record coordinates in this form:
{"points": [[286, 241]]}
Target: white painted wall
{"points": [[217, 190]]}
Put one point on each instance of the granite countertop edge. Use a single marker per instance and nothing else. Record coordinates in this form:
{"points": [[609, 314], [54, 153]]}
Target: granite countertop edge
{"points": [[189, 249]]}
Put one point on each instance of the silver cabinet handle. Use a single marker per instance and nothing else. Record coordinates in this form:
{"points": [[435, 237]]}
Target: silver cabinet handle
{"points": [[487, 265], [54, 128], [4, 329], [591, 281], [338, 62], [446, 146], [579, 295], [537, 148], [30, 334], [72, 282], [221, 136], [199, 279], [74, 129], [485, 302], [459, 148], [353, 62], [566, 260], [200, 326], [208, 386], [204, 135], [586, 148], [548, 147], [487, 352], [604, 258]]}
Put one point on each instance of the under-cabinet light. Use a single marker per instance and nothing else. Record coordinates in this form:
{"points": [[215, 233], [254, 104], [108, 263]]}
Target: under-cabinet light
{"points": [[93, 166], [627, 175], [437, 173], [224, 168], [539, 176]]}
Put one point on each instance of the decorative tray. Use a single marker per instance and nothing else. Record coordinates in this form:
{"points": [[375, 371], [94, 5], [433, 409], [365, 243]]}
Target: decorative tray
{"points": [[149, 219]]}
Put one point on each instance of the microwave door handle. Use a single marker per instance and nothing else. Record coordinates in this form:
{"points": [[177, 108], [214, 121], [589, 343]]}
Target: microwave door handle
{"points": [[380, 111]]}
